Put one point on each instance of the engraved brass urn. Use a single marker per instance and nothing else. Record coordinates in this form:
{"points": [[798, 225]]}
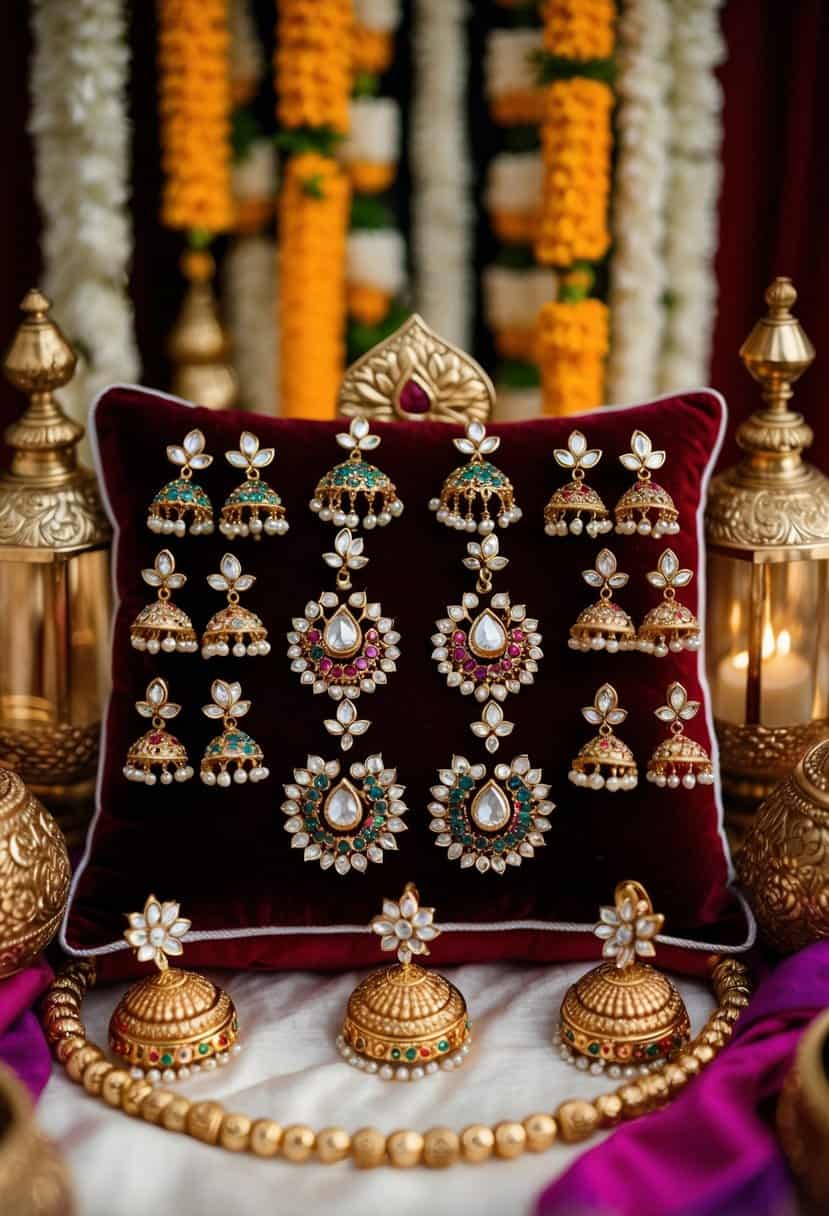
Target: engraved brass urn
{"points": [[54, 576], [33, 1179], [803, 1118], [767, 527]]}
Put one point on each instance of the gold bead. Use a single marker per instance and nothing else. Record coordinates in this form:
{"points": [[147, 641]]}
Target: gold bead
{"points": [[703, 1052], [712, 1037], [67, 1047], [576, 1120], [634, 1100], [94, 1074], [114, 1084], [153, 1107], [80, 1060], [368, 1148], [541, 1131], [675, 1076], [477, 1142], [265, 1136], [441, 1147], [510, 1139], [57, 997], [655, 1087], [609, 1107], [721, 1026], [297, 1142], [204, 1121], [64, 1027], [234, 1134], [405, 1148], [133, 1095], [333, 1144], [689, 1064], [174, 1115]]}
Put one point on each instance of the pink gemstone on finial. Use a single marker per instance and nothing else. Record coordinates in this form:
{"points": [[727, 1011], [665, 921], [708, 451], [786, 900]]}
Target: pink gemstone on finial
{"points": [[413, 399]]}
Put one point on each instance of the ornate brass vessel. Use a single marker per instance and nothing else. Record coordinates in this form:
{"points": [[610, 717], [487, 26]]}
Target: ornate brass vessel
{"points": [[198, 345], [33, 1179], [803, 1117]]}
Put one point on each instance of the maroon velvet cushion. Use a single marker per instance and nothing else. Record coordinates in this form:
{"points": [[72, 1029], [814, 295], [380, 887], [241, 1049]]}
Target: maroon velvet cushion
{"points": [[224, 853]]}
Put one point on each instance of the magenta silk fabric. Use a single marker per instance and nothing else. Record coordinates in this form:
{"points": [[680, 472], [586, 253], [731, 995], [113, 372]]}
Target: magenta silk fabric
{"points": [[713, 1151], [23, 1047]]}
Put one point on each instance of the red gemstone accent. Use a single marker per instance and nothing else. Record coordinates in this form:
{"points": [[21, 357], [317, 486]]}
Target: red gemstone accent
{"points": [[372, 635], [326, 664], [413, 399], [336, 672], [223, 1040], [459, 654], [603, 743], [313, 635], [469, 665], [517, 635], [371, 652], [514, 650], [424, 1051], [156, 738], [351, 671], [459, 636], [153, 1056]]}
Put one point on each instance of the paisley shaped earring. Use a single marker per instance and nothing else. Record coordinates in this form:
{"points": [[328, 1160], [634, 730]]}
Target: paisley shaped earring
{"points": [[679, 760], [233, 751], [157, 749], [645, 498], [603, 625], [234, 629], [253, 508], [162, 625], [475, 487], [605, 762], [354, 485], [182, 500], [576, 507], [670, 625]]}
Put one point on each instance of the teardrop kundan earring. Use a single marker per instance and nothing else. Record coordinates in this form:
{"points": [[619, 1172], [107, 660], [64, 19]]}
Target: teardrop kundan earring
{"points": [[232, 751], [646, 507], [162, 625], [475, 487], [679, 760], [603, 625], [234, 629], [157, 749], [605, 762], [670, 625], [182, 500], [355, 486], [253, 507], [576, 507]]}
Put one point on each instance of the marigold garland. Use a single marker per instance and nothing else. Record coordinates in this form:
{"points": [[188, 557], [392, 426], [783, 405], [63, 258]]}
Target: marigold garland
{"points": [[578, 29], [312, 63], [573, 341], [194, 114]]}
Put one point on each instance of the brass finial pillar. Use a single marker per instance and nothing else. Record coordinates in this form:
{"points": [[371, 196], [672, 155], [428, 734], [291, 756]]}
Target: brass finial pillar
{"points": [[199, 347]]}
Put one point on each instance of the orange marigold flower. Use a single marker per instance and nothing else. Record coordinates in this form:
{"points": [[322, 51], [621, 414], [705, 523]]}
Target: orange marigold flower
{"points": [[579, 29], [572, 346], [312, 63]]}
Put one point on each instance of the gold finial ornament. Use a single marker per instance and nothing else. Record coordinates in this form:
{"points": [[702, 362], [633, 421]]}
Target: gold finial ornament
{"points": [[417, 376], [624, 1015], [355, 483], [162, 625], [175, 1022], [475, 486], [679, 760], [405, 1021], [571, 502], [605, 762], [670, 626], [234, 630], [646, 508], [198, 345], [603, 625]]}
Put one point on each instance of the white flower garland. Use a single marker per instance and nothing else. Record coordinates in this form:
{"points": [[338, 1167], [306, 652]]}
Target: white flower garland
{"points": [[442, 202], [697, 47], [637, 268], [81, 142], [251, 300]]}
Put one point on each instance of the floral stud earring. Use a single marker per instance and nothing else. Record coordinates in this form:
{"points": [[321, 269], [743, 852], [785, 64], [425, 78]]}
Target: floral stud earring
{"points": [[234, 629], [355, 483], [162, 625], [645, 498], [386, 1030], [232, 751], [476, 486], [670, 625], [574, 500], [679, 760], [253, 507], [605, 762], [603, 625], [182, 500], [157, 748]]}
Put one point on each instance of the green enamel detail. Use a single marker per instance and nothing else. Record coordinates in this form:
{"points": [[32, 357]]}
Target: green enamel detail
{"points": [[443, 1045], [478, 473], [203, 1049], [593, 1048], [166, 1059], [395, 1053], [253, 493], [411, 1054], [466, 783], [355, 475], [183, 491], [321, 782]]}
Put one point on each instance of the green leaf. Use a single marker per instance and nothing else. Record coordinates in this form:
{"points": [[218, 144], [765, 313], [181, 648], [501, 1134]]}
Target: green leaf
{"points": [[516, 257], [368, 212], [516, 373], [244, 131], [555, 67], [312, 186], [309, 139], [366, 84], [199, 238], [521, 139]]}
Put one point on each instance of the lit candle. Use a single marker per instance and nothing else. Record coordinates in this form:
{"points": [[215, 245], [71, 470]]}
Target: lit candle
{"points": [[785, 689]]}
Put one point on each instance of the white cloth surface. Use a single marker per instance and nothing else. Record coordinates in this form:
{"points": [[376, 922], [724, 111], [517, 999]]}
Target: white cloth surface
{"points": [[289, 1070]]}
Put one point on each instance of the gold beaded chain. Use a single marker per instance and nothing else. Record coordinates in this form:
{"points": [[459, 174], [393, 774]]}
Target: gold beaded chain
{"points": [[574, 1120]]}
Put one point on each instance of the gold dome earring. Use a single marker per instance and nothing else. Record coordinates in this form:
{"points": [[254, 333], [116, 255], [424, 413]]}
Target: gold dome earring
{"points": [[605, 762]]}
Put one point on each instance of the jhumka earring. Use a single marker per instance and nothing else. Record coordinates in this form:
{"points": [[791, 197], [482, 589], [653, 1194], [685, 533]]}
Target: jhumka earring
{"points": [[157, 748], [670, 625], [476, 480], [234, 630], [162, 625], [605, 762], [645, 498], [623, 1016], [338, 494], [253, 507], [603, 625], [233, 751], [172, 1023], [182, 500], [679, 760], [406, 1021], [569, 503]]}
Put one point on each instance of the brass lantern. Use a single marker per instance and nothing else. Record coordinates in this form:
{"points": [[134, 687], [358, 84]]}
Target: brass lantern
{"points": [[54, 577], [767, 526]]}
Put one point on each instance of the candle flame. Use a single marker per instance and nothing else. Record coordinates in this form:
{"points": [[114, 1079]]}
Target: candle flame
{"points": [[771, 646]]}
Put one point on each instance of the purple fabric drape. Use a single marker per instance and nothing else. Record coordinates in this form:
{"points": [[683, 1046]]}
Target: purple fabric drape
{"points": [[713, 1151], [22, 1044]]}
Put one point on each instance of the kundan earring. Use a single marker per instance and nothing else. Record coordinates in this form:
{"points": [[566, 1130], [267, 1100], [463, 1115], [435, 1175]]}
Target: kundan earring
{"points": [[670, 625], [182, 500], [388, 1030], [598, 1029], [603, 625], [253, 507], [232, 751], [605, 762], [157, 749], [162, 625], [679, 760], [234, 630], [172, 1023], [354, 485], [576, 507], [646, 507], [475, 487]]}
